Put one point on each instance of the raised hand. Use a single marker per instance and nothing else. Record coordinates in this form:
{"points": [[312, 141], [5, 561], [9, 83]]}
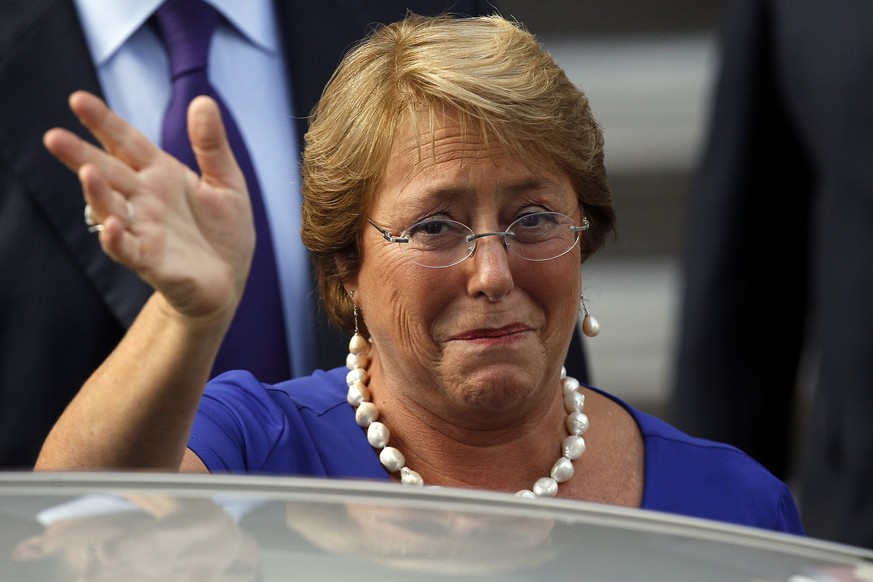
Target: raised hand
{"points": [[190, 237]]}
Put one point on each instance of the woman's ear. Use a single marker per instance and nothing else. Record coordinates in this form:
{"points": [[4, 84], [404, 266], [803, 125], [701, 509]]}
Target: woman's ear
{"points": [[350, 282], [351, 287], [346, 273]]}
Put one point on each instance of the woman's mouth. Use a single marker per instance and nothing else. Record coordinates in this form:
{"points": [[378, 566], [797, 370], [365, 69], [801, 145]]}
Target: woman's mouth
{"points": [[504, 333]]}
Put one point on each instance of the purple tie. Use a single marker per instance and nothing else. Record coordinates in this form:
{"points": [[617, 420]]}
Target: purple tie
{"points": [[256, 340]]}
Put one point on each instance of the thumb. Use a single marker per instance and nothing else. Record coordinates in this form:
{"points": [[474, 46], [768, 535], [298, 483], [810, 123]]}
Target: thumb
{"points": [[211, 147]]}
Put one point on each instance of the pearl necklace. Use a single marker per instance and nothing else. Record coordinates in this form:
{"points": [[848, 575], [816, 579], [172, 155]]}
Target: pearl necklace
{"points": [[366, 415]]}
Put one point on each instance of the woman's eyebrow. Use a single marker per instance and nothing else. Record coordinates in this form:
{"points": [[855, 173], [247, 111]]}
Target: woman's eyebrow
{"points": [[544, 186], [429, 195]]}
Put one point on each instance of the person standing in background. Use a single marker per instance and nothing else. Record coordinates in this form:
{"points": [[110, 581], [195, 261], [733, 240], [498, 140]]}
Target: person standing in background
{"points": [[778, 258], [64, 305]]}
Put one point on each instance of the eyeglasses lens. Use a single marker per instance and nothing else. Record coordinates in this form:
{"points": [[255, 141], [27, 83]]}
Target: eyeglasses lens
{"points": [[440, 242]]}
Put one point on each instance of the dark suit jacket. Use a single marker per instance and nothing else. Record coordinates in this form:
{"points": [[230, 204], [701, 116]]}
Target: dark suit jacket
{"points": [[779, 255], [64, 305]]}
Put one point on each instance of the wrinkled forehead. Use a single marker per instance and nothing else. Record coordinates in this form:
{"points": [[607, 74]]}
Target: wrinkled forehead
{"points": [[430, 138], [434, 139]]}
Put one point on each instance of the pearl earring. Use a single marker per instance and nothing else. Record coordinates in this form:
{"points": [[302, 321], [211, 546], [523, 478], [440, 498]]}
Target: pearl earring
{"points": [[354, 310], [590, 325], [358, 346]]}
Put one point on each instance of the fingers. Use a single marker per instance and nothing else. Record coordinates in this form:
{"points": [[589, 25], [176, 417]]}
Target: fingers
{"points": [[102, 200], [113, 213], [126, 149], [74, 152], [110, 179], [116, 135], [211, 148], [106, 183]]}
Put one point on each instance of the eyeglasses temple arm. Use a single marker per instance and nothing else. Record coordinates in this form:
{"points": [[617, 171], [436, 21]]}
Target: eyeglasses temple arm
{"points": [[386, 234], [585, 226]]}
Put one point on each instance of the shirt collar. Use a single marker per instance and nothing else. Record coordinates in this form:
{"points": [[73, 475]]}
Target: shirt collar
{"points": [[255, 19], [108, 25]]}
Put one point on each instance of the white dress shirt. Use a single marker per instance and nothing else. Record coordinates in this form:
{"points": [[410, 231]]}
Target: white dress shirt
{"points": [[247, 67]]}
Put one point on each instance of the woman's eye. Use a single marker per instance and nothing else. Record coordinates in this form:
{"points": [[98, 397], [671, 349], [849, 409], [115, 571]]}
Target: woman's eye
{"points": [[538, 219], [429, 227], [530, 220]]}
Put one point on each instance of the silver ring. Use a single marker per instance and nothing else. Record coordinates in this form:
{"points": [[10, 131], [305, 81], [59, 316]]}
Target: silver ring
{"points": [[128, 220], [96, 227]]}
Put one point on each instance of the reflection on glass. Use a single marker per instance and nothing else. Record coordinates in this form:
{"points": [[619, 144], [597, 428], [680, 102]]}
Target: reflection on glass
{"points": [[424, 540], [142, 537]]}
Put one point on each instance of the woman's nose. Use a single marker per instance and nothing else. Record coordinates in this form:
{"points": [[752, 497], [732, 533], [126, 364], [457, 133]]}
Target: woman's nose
{"points": [[489, 267]]}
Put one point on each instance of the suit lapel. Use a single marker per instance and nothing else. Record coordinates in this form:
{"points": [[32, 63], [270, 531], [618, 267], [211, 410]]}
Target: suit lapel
{"points": [[310, 60], [46, 59]]}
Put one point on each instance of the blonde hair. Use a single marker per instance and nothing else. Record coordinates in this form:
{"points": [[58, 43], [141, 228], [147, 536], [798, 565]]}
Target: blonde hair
{"points": [[492, 73]]}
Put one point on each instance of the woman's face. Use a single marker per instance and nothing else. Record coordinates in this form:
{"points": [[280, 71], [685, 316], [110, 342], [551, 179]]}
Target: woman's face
{"points": [[491, 332]]}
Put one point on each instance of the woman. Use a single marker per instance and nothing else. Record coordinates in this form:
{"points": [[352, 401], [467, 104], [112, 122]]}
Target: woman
{"points": [[453, 185]]}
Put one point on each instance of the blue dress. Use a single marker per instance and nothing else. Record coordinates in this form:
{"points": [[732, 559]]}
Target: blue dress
{"points": [[305, 427]]}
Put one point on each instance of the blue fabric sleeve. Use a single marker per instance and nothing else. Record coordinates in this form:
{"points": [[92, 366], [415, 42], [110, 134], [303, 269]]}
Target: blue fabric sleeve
{"points": [[299, 427], [705, 479], [701, 478]]}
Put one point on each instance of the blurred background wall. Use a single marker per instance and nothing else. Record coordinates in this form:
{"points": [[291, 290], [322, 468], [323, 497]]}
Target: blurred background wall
{"points": [[647, 68]]}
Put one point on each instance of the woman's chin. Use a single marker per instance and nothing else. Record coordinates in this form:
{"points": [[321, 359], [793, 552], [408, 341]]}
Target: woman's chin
{"points": [[500, 378], [497, 387]]}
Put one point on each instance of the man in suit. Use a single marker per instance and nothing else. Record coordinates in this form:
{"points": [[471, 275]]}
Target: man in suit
{"points": [[63, 303], [778, 261]]}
